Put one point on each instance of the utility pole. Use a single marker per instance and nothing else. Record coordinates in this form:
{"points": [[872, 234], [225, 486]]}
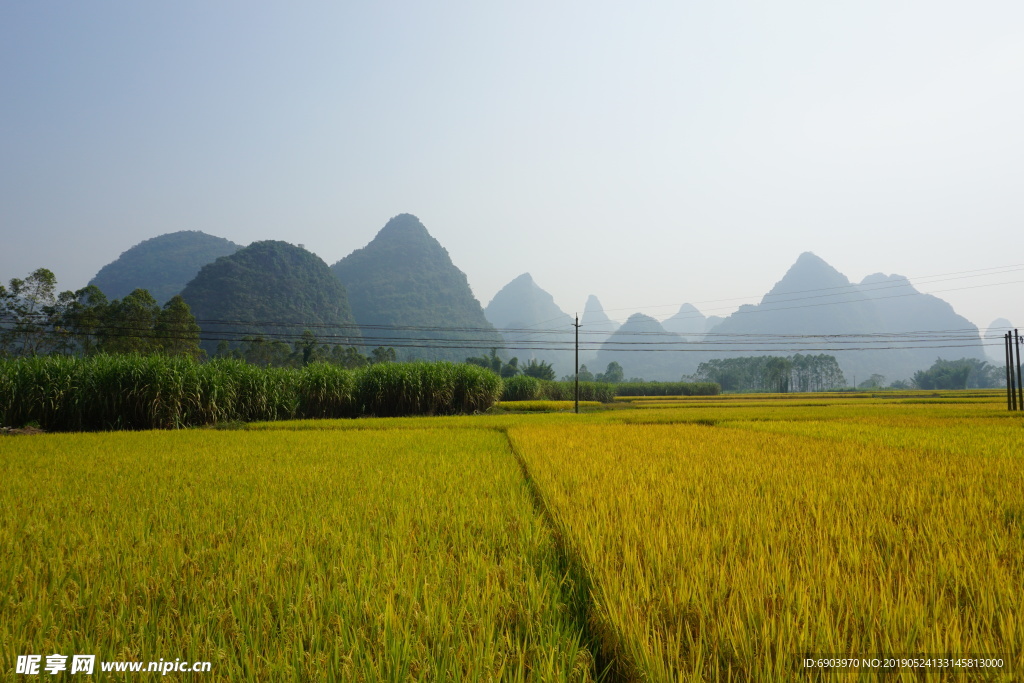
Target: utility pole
{"points": [[1020, 384], [1010, 397], [577, 326]]}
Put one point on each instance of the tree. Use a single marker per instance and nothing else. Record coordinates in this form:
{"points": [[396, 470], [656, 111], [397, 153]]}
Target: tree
{"points": [[308, 350], [494, 363], [539, 369], [383, 355], [348, 357], [177, 332], [129, 324], [958, 374], [876, 381], [585, 375], [30, 312], [84, 318], [613, 373]]}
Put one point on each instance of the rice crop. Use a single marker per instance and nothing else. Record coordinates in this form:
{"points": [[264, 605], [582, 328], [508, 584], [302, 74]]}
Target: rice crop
{"points": [[671, 539], [411, 555], [722, 554], [545, 406]]}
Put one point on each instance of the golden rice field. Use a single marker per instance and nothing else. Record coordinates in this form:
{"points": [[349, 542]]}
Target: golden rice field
{"points": [[689, 539]]}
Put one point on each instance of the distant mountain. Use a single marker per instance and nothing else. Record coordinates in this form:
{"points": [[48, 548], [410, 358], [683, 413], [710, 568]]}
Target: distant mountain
{"points": [[532, 325], [644, 349], [814, 302], [903, 309], [688, 322], [711, 322], [994, 348], [163, 265], [273, 289], [403, 286], [595, 328]]}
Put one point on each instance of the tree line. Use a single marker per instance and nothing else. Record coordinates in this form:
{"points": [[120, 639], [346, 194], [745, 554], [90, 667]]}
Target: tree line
{"points": [[778, 374], [37, 320]]}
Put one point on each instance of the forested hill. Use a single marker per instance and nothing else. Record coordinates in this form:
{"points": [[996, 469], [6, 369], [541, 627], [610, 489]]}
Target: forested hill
{"points": [[278, 289], [162, 265], [404, 278]]}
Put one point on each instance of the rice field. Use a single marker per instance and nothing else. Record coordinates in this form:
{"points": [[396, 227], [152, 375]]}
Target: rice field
{"points": [[693, 539]]}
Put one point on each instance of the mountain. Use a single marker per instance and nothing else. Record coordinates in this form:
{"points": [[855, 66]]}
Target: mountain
{"points": [[644, 349], [688, 322], [814, 302], [903, 309], [995, 349], [532, 325], [273, 289], [595, 328], [163, 265], [711, 322], [404, 278]]}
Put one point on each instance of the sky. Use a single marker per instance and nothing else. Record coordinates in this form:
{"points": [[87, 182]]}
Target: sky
{"points": [[648, 153]]}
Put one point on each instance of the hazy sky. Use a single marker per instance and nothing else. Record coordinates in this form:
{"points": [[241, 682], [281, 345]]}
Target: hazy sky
{"points": [[649, 153]]}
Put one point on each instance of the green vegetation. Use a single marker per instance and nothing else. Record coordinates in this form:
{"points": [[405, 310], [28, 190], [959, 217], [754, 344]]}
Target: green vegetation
{"points": [[162, 265], [966, 373], [35, 320], [403, 288], [62, 393], [272, 290], [774, 374], [667, 389]]}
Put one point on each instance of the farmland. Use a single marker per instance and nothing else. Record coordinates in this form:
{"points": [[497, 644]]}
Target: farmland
{"points": [[695, 538]]}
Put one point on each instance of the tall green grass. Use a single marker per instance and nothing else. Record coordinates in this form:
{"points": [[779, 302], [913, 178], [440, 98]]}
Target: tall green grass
{"points": [[61, 393], [589, 391]]}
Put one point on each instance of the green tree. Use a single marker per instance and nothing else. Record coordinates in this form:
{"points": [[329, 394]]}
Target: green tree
{"points": [[130, 323], [177, 332], [585, 375], [258, 350], [309, 350], [495, 364], [85, 317], [348, 357], [613, 373], [30, 315], [539, 369], [876, 381], [383, 355], [958, 374]]}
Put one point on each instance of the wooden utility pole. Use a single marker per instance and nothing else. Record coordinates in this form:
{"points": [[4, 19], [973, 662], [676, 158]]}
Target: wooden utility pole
{"points": [[1020, 383], [577, 326], [1010, 397]]}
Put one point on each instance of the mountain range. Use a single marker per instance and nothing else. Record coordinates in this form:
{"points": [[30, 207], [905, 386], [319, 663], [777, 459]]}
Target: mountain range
{"points": [[403, 290]]}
